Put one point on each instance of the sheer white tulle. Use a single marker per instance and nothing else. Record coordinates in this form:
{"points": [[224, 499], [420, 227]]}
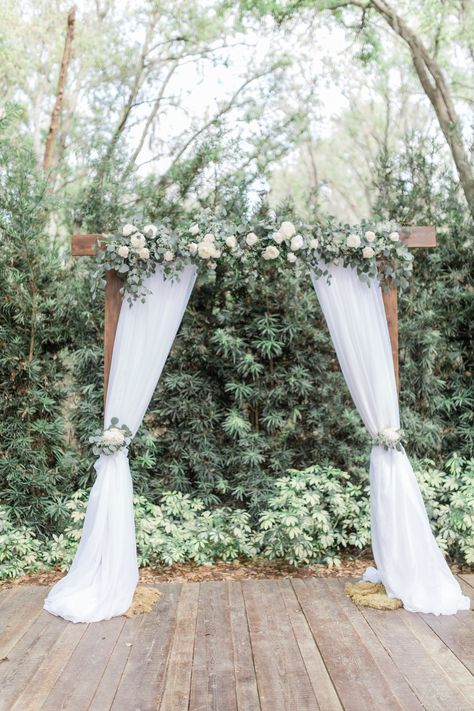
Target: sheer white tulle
{"points": [[409, 562], [104, 574]]}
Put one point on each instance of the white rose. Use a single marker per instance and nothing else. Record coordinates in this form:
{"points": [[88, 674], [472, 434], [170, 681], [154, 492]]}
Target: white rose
{"points": [[353, 241], [151, 231], [313, 244], [231, 242], [168, 256], [296, 243], [205, 250], [251, 239], [208, 238], [113, 436], [270, 252], [278, 237], [394, 236], [144, 253], [287, 229], [368, 252], [193, 248], [123, 251], [369, 236], [215, 253], [292, 257], [391, 434], [194, 230], [138, 241], [128, 230]]}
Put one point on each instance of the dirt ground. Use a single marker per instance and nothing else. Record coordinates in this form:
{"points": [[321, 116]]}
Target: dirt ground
{"points": [[234, 570]]}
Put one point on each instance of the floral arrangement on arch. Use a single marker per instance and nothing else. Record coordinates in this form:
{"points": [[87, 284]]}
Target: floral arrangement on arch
{"points": [[211, 240]]}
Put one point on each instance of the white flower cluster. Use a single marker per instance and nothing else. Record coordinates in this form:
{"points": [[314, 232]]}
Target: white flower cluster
{"points": [[390, 438], [206, 248], [353, 241], [111, 440], [138, 243]]}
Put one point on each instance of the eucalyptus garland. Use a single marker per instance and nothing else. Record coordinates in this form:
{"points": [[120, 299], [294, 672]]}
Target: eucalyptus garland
{"points": [[373, 249]]}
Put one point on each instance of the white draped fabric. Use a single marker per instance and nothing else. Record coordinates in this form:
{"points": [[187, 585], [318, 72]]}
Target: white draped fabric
{"points": [[409, 562], [104, 574]]}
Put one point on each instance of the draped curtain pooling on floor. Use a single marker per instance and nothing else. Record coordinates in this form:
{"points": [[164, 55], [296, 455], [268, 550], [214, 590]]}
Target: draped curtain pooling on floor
{"points": [[409, 561], [102, 579]]}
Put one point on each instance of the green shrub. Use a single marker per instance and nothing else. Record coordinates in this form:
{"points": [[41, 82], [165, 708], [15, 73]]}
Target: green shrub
{"points": [[310, 516]]}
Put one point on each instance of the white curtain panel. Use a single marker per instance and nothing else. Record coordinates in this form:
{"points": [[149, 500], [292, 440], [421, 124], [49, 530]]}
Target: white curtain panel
{"points": [[409, 562], [102, 579]]}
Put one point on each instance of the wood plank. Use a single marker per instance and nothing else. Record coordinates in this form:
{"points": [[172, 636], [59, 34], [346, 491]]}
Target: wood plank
{"points": [[297, 682], [86, 245], [468, 578], [142, 682], [457, 632], [459, 677], [178, 676], [390, 302], [40, 684], [113, 304], [75, 688], [352, 667], [244, 670], [416, 661], [400, 689], [6, 596], [27, 655], [212, 680], [19, 613], [266, 655], [324, 691], [107, 687], [421, 236], [282, 678]]}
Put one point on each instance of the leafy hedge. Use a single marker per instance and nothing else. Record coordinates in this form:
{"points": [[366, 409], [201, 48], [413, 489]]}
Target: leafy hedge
{"points": [[310, 516]]}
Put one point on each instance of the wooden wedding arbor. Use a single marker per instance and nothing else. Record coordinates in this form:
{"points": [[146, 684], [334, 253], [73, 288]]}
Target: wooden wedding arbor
{"points": [[87, 245]]}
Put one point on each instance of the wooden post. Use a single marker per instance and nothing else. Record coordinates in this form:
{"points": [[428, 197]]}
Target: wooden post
{"points": [[390, 302], [87, 245], [113, 304], [84, 245]]}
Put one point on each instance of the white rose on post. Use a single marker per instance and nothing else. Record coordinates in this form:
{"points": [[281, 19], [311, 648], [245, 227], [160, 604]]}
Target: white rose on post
{"points": [[251, 239], [368, 252], [370, 236], [231, 242], [394, 237]]}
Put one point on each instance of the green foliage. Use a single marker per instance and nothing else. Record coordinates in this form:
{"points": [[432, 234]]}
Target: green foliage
{"points": [[308, 516]]}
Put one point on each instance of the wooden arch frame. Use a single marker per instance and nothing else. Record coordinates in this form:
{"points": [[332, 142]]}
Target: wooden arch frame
{"points": [[87, 245]]}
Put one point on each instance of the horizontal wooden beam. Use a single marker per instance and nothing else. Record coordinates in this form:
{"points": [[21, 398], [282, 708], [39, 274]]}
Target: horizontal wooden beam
{"points": [[413, 237], [85, 245]]}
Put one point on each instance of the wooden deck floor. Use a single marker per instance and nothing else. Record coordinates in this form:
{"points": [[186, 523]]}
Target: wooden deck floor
{"points": [[296, 645]]}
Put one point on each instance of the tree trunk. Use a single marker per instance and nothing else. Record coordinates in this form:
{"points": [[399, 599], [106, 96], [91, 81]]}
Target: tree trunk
{"points": [[58, 104], [436, 89]]}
